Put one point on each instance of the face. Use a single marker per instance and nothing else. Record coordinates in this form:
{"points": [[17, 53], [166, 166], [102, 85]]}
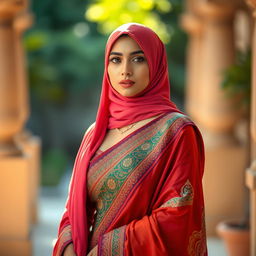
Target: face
{"points": [[128, 69]]}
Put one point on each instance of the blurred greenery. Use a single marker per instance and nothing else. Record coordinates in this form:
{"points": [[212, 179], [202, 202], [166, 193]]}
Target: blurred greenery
{"points": [[61, 63], [65, 50], [237, 79], [54, 164], [109, 16]]}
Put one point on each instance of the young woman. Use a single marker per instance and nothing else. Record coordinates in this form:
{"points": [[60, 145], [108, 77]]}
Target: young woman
{"points": [[136, 187]]}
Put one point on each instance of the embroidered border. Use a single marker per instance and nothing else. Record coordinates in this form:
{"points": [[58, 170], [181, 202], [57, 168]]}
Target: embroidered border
{"points": [[112, 243], [65, 238], [186, 197], [100, 167], [128, 173]]}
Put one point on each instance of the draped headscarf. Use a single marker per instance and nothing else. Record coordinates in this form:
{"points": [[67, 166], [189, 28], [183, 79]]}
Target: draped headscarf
{"points": [[116, 111]]}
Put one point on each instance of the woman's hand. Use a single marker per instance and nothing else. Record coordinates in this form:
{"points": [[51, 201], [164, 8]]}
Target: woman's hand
{"points": [[93, 252], [69, 250]]}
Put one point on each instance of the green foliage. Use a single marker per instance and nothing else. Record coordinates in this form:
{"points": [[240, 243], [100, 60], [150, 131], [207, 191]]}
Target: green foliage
{"points": [[60, 63], [237, 78], [54, 164], [63, 51], [110, 15], [58, 14]]}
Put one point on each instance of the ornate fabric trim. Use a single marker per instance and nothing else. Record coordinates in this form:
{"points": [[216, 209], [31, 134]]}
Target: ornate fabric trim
{"points": [[112, 243], [197, 241], [186, 197], [65, 238], [115, 175]]}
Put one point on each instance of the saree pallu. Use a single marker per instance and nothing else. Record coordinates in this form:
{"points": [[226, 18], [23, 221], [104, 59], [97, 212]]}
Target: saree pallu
{"points": [[145, 193]]}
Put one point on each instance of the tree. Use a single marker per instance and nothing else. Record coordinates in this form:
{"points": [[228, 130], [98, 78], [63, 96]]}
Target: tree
{"points": [[109, 15]]}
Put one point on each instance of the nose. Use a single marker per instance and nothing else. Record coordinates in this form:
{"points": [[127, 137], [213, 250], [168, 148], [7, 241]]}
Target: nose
{"points": [[126, 69]]}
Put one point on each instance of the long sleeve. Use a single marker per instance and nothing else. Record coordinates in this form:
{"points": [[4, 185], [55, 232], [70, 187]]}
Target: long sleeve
{"points": [[64, 235], [175, 226]]}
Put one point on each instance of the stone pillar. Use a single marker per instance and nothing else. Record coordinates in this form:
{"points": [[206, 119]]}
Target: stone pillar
{"points": [[29, 143], [211, 50], [20, 24], [192, 24], [217, 113], [15, 225], [251, 171]]}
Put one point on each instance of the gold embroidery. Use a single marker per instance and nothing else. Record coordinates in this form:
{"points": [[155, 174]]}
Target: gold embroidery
{"points": [[197, 241], [111, 184], [127, 162], [112, 243], [186, 198], [100, 204], [145, 146]]}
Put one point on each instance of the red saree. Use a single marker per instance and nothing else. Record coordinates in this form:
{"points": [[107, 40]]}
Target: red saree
{"points": [[147, 189], [147, 192]]}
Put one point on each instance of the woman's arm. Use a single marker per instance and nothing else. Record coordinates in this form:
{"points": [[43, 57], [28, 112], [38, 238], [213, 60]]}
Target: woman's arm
{"points": [[64, 236], [69, 250]]}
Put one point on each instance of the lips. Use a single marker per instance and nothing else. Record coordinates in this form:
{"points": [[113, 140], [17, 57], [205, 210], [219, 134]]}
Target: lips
{"points": [[126, 83]]}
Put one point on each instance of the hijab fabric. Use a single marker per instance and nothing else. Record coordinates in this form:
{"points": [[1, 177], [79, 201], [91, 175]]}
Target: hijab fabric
{"points": [[116, 111]]}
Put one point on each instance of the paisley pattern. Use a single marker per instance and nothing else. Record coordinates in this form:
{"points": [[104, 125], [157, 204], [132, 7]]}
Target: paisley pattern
{"points": [[186, 197], [115, 174], [197, 240]]}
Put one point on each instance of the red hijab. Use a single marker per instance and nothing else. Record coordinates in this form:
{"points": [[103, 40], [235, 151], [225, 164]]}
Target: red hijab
{"points": [[117, 111]]}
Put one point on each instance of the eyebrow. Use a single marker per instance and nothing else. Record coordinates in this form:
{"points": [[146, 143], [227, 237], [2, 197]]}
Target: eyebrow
{"points": [[132, 53]]}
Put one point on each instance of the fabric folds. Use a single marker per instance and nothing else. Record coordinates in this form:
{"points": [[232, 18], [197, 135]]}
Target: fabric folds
{"points": [[172, 212]]}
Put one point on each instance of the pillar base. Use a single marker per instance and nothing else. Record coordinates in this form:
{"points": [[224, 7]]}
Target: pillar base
{"points": [[15, 224], [31, 145], [15, 247], [224, 188]]}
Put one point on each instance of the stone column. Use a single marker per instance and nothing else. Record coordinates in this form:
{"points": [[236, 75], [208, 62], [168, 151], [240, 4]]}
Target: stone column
{"points": [[15, 226], [192, 24], [251, 171], [29, 143], [211, 50], [217, 114]]}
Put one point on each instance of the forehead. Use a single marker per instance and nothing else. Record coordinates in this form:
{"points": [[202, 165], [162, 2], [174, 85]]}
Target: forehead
{"points": [[125, 43]]}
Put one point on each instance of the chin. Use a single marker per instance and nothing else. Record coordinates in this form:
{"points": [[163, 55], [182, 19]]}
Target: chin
{"points": [[128, 94]]}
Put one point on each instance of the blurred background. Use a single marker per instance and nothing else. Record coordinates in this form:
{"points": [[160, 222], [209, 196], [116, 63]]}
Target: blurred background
{"points": [[65, 49], [51, 59]]}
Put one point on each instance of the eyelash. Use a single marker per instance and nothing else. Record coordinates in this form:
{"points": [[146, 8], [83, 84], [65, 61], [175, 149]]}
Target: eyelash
{"points": [[139, 58]]}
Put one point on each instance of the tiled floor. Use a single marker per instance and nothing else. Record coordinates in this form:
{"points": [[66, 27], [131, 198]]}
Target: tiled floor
{"points": [[51, 205]]}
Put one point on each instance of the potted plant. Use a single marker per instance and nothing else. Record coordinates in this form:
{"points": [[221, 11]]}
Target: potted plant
{"points": [[237, 83]]}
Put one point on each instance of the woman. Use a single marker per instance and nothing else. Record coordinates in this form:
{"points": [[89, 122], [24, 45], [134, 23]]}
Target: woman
{"points": [[136, 187]]}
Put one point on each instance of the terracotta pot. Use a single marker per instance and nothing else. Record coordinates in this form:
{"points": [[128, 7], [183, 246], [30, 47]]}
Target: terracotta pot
{"points": [[236, 237]]}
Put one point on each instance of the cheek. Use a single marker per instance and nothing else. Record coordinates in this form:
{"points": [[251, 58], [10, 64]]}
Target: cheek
{"points": [[146, 74], [110, 73]]}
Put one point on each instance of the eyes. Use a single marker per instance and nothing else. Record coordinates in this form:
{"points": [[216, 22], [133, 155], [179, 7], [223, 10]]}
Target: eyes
{"points": [[137, 59]]}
